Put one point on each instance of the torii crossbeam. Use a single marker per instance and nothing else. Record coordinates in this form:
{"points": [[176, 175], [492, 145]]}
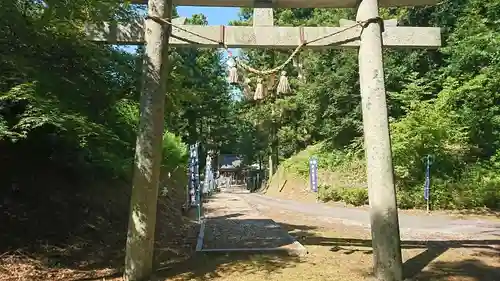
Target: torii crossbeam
{"points": [[261, 36], [369, 39]]}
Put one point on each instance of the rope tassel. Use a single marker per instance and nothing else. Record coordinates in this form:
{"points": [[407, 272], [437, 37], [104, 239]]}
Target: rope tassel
{"points": [[246, 89], [297, 63], [233, 75], [283, 85], [259, 90], [233, 71]]}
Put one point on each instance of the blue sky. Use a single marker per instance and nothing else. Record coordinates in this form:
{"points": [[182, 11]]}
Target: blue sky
{"points": [[215, 15]]}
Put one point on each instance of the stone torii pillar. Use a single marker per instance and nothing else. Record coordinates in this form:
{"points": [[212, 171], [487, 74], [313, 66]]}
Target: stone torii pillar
{"points": [[386, 243], [148, 151], [369, 39]]}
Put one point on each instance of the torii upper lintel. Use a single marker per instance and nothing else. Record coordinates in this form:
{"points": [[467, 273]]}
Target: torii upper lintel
{"points": [[292, 3]]}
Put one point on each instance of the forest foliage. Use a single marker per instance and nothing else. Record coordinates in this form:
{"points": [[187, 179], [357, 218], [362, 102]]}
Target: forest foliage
{"points": [[69, 107], [79, 100], [69, 111], [444, 103]]}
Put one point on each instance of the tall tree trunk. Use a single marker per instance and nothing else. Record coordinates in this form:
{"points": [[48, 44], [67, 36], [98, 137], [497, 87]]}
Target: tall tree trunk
{"points": [[148, 153]]}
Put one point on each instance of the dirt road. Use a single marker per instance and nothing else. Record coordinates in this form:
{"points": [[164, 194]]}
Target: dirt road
{"points": [[434, 248], [409, 224]]}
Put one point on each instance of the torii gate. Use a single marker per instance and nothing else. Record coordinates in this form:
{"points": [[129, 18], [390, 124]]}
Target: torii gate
{"points": [[369, 36]]}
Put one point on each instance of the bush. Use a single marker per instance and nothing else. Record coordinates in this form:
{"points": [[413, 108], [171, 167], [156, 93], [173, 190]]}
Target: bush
{"points": [[410, 200], [454, 183], [354, 195], [173, 171], [329, 193], [478, 188], [175, 152]]}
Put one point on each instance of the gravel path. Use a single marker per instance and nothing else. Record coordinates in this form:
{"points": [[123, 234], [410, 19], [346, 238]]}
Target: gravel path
{"points": [[232, 223], [410, 224]]}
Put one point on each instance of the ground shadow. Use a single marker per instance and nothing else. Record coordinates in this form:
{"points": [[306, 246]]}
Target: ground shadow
{"points": [[413, 267], [206, 266], [421, 267], [230, 232], [469, 269]]}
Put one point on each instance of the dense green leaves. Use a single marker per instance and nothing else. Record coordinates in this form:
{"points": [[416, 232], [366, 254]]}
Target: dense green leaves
{"points": [[444, 103], [72, 104], [80, 99]]}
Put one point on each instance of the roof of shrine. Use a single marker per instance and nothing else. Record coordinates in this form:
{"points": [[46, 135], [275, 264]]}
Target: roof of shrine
{"points": [[230, 162]]}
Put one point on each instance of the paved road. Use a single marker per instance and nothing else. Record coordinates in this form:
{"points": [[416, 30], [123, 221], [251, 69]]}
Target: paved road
{"points": [[408, 223]]}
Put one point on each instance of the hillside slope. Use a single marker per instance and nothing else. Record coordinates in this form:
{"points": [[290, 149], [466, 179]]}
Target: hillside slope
{"points": [[337, 173]]}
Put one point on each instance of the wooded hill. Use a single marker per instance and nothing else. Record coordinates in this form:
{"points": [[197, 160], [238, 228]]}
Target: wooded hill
{"points": [[443, 103]]}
